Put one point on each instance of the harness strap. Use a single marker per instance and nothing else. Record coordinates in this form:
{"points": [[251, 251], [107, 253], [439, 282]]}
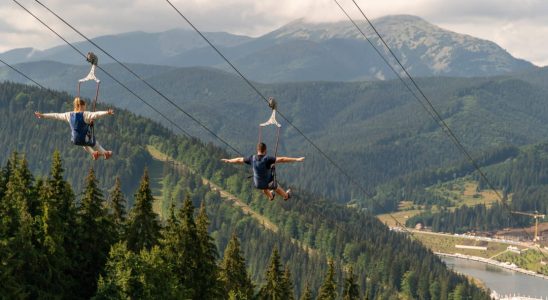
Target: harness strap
{"points": [[273, 167], [272, 121], [93, 60]]}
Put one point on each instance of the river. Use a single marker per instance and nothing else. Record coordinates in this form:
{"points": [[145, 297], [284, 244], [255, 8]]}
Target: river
{"points": [[501, 280]]}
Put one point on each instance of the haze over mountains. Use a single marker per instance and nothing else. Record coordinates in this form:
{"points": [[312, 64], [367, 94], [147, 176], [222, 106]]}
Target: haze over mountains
{"points": [[301, 51], [376, 125]]}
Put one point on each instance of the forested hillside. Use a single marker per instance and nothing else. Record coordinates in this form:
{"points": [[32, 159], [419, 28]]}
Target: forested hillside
{"points": [[386, 264], [378, 126], [523, 176]]}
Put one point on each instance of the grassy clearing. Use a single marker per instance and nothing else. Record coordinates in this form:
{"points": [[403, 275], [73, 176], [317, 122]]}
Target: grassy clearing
{"points": [[463, 191], [156, 175], [459, 192], [446, 244], [406, 210], [400, 216]]}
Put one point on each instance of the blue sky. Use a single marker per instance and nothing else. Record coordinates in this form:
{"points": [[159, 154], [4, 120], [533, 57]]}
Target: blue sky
{"points": [[519, 26]]}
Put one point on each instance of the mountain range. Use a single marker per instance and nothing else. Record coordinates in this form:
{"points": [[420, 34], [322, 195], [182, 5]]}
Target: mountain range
{"points": [[379, 257], [303, 51], [376, 125]]}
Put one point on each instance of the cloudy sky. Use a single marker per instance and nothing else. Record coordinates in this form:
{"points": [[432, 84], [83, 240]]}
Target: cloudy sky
{"points": [[519, 26]]}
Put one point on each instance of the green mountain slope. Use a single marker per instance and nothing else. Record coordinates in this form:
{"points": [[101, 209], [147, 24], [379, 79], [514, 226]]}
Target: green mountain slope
{"points": [[349, 237], [377, 126], [520, 178]]}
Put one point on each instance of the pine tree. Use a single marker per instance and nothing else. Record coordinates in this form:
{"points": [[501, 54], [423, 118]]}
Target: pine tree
{"points": [[5, 174], [55, 195], [287, 285], [179, 247], [27, 182], [117, 207], [22, 261], [434, 290], [351, 289], [143, 229], [137, 276], [208, 285], [328, 290], [9, 212], [96, 237], [233, 273], [460, 292], [409, 284], [273, 290], [307, 294]]}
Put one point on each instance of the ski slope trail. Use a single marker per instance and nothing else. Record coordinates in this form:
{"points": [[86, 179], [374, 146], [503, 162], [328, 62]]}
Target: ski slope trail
{"points": [[227, 196]]}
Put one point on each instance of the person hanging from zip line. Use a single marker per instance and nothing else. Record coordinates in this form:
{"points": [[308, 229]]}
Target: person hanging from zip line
{"points": [[263, 166], [81, 124]]}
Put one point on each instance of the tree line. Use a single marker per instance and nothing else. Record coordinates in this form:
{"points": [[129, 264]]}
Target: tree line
{"points": [[380, 258], [53, 246], [523, 182]]}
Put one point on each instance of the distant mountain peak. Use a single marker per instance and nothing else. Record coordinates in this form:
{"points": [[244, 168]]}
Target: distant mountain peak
{"points": [[307, 50], [401, 18], [319, 31]]}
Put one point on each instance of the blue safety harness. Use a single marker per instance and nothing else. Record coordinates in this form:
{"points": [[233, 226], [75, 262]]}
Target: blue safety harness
{"points": [[82, 133]]}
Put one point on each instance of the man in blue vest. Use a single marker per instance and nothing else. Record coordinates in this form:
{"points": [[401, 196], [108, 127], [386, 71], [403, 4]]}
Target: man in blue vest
{"points": [[262, 164]]}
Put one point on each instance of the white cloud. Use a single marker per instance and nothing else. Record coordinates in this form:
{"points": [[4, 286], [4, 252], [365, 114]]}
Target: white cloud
{"points": [[520, 26]]}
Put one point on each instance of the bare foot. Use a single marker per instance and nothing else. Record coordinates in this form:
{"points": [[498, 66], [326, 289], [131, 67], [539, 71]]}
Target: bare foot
{"points": [[95, 155]]}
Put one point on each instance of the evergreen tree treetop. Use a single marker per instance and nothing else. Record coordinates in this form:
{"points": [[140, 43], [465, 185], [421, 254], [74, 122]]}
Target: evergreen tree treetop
{"points": [[351, 289], [328, 290], [233, 274], [143, 227], [117, 204], [307, 294], [209, 286], [273, 289], [287, 285]]}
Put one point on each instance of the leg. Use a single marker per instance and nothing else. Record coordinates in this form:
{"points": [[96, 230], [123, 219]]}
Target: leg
{"points": [[94, 154], [102, 151], [88, 149], [285, 194], [268, 194]]}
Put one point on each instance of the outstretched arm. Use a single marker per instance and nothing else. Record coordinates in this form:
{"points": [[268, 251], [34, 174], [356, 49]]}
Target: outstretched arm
{"points": [[52, 116], [89, 115], [237, 160], [283, 159]]}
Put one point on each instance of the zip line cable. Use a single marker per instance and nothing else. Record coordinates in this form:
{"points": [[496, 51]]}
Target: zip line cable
{"points": [[22, 74], [389, 64], [177, 126], [433, 111], [252, 86], [106, 72], [350, 178], [448, 130], [27, 77], [141, 79], [177, 106], [189, 115]]}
